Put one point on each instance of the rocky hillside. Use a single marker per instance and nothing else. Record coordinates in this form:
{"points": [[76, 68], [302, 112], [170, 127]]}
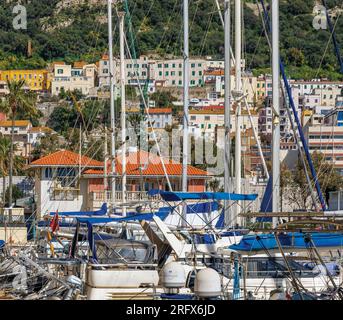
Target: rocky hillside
{"points": [[70, 30]]}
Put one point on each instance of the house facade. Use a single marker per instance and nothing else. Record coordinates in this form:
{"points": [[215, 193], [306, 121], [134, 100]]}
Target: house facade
{"points": [[78, 77], [66, 183], [21, 131], [35, 80]]}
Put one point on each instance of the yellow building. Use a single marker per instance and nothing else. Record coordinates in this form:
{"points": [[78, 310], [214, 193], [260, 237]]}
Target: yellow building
{"points": [[36, 80]]}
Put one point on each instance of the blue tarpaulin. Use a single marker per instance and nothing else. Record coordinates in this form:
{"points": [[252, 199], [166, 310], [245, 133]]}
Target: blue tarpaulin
{"points": [[179, 196], [267, 200], [2, 244], [101, 212]]}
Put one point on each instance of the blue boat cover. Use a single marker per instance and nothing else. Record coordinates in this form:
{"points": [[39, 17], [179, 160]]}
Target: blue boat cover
{"points": [[101, 212], [2, 244], [294, 240], [267, 201], [221, 221], [179, 196]]}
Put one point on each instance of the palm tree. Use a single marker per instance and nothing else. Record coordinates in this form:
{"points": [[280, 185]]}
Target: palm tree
{"points": [[17, 99], [18, 163]]}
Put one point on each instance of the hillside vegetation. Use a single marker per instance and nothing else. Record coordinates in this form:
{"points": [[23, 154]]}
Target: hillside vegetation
{"points": [[77, 30]]}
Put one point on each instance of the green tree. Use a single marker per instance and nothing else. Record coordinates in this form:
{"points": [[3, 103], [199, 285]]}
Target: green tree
{"points": [[16, 100], [295, 183], [163, 99], [16, 193], [47, 144]]}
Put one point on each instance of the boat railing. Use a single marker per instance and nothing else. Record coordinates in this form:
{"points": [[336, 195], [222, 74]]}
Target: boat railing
{"points": [[123, 265]]}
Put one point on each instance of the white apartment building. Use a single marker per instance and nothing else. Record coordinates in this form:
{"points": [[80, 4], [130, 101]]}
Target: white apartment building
{"points": [[327, 137], [66, 77], [167, 72], [204, 123], [307, 87]]}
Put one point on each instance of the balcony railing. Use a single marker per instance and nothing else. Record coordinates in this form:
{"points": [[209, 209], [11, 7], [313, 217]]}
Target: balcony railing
{"points": [[16, 219], [130, 196]]}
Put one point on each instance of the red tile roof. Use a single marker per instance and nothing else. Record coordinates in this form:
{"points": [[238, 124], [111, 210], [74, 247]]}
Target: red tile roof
{"points": [[17, 123], [159, 110], [150, 165], [65, 158]]}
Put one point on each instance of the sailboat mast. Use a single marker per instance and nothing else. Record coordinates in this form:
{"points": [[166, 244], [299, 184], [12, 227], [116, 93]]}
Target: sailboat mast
{"points": [[238, 89], [227, 102], [121, 16], [185, 100], [276, 109], [112, 85]]}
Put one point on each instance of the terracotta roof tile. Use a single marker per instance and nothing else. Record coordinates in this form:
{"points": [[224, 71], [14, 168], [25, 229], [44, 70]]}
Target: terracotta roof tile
{"points": [[65, 158], [160, 110], [149, 164], [17, 123]]}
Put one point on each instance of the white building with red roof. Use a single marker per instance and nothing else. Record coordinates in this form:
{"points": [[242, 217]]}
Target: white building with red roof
{"points": [[59, 186]]}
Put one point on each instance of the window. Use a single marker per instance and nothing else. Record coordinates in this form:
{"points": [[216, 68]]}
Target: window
{"points": [[258, 85], [105, 71], [207, 118], [172, 73], [160, 73], [180, 65], [200, 73], [159, 65], [193, 65], [173, 82], [166, 65], [59, 71], [202, 126], [180, 73], [209, 126], [193, 117], [173, 65], [199, 65], [48, 173], [193, 73], [192, 82], [105, 63], [167, 73], [180, 82]]}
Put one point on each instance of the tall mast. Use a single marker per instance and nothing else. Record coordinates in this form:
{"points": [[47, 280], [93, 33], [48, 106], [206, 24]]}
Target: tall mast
{"points": [[105, 165], [112, 97], [238, 87], [227, 119], [185, 100], [276, 109], [121, 16]]}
